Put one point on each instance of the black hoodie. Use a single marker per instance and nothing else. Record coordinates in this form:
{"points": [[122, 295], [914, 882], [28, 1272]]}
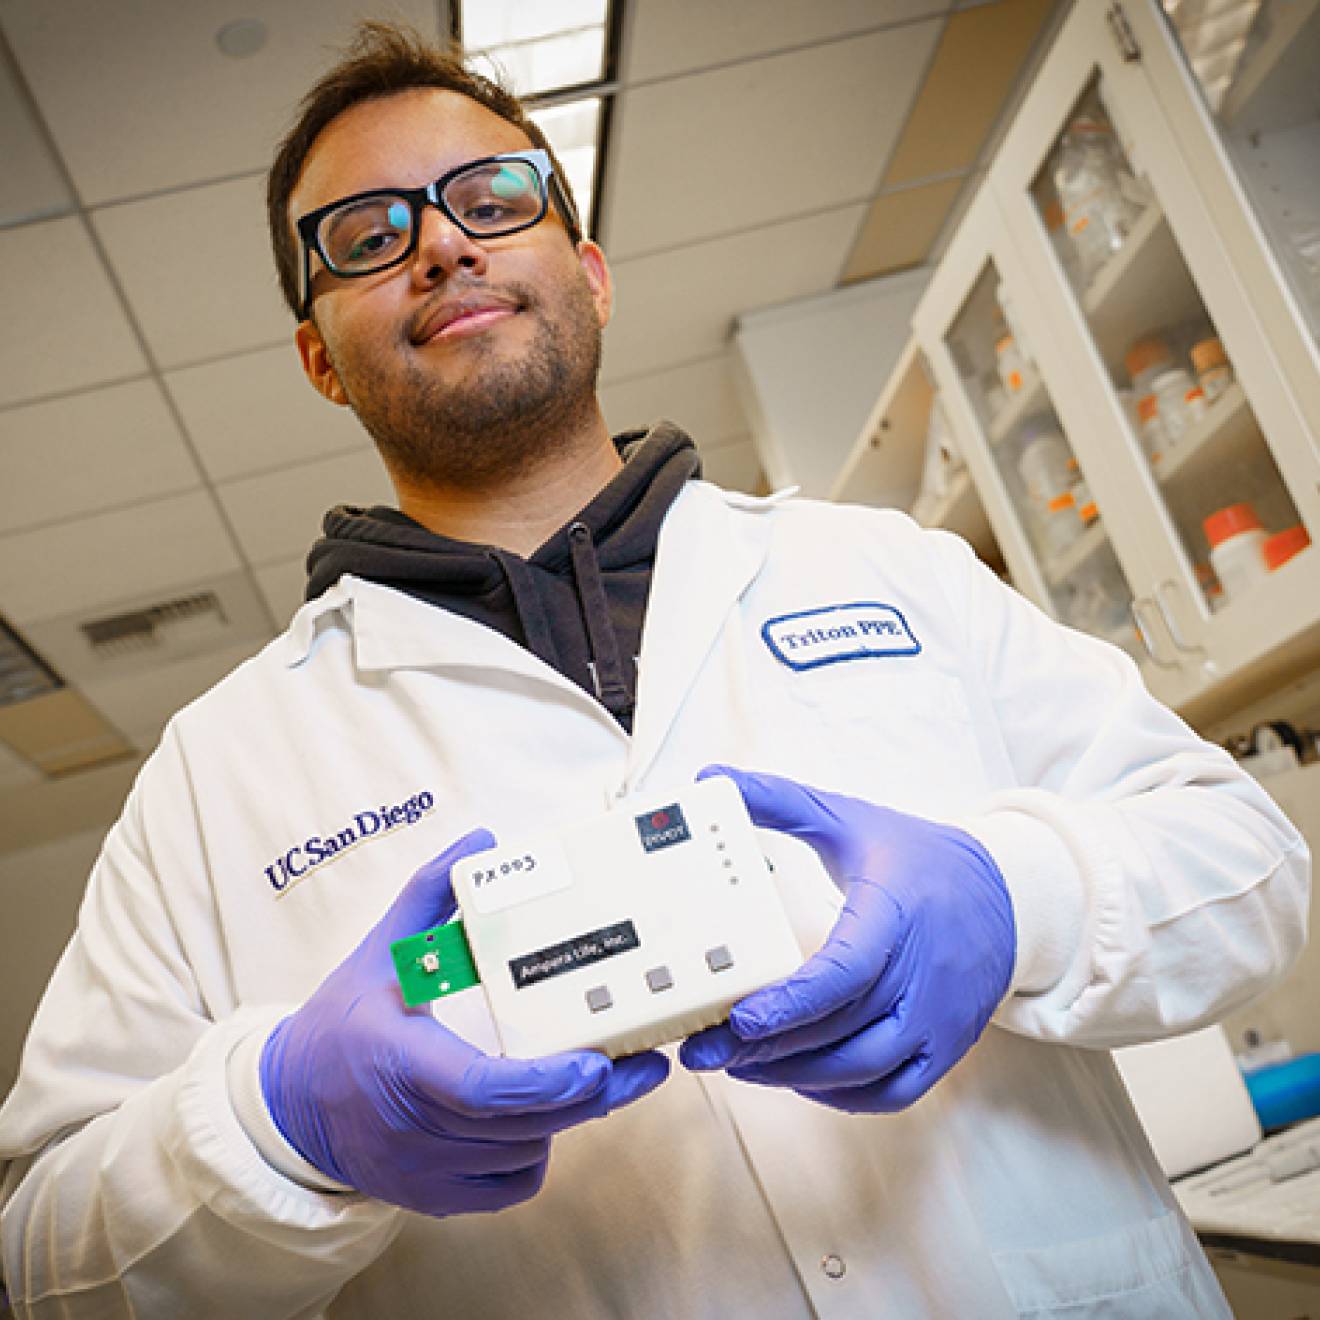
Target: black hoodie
{"points": [[577, 603]]}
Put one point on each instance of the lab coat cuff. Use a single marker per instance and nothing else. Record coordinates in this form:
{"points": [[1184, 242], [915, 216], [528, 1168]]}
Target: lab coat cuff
{"points": [[243, 1072], [224, 1170], [1046, 890]]}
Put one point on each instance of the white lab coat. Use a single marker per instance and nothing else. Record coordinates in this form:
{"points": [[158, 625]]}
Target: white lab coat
{"points": [[1021, 1185]]}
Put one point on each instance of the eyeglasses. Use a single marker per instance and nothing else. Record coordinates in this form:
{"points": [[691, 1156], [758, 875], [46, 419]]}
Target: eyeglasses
{"points": [[486, 198]]}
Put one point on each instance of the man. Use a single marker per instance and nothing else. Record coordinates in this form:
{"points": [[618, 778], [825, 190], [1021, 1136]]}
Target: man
{"points": [[224, 1107]]}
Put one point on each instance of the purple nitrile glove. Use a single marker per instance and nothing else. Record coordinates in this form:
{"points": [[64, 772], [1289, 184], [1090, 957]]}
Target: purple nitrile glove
{"points": [[383, 1098], [918, 960]]}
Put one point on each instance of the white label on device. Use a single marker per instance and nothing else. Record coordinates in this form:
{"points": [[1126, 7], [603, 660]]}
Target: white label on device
{"points": [[506, 877]]}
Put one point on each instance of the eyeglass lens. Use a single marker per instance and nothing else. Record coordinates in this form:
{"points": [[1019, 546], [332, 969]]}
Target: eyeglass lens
{"points": [[492, 198]]}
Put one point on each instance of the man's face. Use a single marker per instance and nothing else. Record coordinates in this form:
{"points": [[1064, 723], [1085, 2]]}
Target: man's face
{"points": [[466, 361]]}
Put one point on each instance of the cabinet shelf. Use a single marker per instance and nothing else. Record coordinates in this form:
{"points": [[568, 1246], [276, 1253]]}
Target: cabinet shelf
{"points": [[1032, 399], [1226, 431], [1063, 566], [962, 512], [944, 513], [1142, 289]]}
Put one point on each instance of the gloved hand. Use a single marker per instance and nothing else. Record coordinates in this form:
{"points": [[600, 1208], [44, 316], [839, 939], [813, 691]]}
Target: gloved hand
{"points": [[382, 1097], [919, 958]]}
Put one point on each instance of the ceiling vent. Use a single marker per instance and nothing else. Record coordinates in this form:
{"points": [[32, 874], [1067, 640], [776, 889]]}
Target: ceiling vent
{"points": [[138, 636], [184, 621]]}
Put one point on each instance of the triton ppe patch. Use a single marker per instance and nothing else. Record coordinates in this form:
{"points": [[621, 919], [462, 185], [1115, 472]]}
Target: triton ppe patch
{"points": [[833, 633]]}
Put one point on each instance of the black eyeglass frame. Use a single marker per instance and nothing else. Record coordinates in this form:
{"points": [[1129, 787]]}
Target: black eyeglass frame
{"points": [[432, 194]]}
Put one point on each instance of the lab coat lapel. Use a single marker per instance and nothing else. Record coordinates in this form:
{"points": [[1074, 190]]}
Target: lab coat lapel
{"points": [[393, 631], [706, 558]]}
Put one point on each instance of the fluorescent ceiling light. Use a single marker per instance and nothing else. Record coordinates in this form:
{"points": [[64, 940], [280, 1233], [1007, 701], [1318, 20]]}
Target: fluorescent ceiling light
{"points": [[540, 51], [537, 48], [574, 130], [488, 23]]}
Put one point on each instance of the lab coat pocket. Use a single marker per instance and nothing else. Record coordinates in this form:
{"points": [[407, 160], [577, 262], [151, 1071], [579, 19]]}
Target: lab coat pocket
{"points": [[898, 732], [882, 690], [1153, 1269]]}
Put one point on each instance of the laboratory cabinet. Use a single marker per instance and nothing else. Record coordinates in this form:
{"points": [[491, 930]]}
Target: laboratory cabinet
{"points": [[1118, 344]]}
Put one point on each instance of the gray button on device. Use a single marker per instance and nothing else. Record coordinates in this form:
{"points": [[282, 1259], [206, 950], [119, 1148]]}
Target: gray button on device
{"points": [[659, 978], [599, 998], [718, 959], [833, 1267]]}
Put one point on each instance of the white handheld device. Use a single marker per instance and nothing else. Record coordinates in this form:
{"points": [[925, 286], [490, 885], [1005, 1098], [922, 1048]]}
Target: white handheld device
{"points": [[622, 933]]}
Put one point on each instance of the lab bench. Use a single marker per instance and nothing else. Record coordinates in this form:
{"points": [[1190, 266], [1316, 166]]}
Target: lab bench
{"points": [[1258, 1217]]}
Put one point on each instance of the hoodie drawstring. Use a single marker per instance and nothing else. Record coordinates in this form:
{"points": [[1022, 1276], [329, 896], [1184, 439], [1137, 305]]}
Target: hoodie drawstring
{"points": [[529, 606], [611, 678]]}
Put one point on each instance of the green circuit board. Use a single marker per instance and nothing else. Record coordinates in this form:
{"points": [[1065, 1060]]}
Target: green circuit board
{"points": [[434, 963]]}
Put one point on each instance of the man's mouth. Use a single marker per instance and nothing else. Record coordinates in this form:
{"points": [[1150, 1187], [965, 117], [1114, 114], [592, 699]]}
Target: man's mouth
{"points": [[470, 314]]}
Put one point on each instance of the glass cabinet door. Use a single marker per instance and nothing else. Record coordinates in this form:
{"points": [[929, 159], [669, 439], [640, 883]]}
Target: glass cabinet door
{"points": [[1256, 64], [1195, 427], [1109, 222], [977, 326], [1066, 560]]}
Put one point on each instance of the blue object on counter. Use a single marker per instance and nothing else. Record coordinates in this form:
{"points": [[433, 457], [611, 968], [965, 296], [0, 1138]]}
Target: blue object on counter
{"points": [[1284, 1093]]}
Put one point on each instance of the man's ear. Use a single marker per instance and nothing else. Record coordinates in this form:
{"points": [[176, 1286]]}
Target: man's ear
{"points": [[316, 363], [597, 272]]}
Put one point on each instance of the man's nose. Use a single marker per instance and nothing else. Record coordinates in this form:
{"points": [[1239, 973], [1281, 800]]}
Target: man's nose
{"points": [[443, 249]]}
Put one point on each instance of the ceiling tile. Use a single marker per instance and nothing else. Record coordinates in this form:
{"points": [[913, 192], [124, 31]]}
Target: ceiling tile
{"points": [[794, 134], [277, 516], [63, 327], [257, 411], [93, 563], [660, 37], [700, 397], [31, 186], [56, 809], [15, 771], [139, 705], [62, 733], [900, 229], [976, 64], [197, 270], [282, 584], [734, 466], [72, 456], [139, 97], [679, 306]]}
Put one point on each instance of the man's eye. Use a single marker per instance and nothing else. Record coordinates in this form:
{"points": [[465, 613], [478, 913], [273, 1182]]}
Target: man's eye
{"points": [[488, 213], [372, 244]]}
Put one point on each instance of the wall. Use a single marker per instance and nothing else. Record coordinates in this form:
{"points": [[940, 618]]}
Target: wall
{"points": [[40, 890], [810, 372]]}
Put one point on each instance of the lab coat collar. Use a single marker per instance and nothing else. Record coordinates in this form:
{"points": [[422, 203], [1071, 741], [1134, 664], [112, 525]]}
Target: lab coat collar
{"points": [[707, 556]]}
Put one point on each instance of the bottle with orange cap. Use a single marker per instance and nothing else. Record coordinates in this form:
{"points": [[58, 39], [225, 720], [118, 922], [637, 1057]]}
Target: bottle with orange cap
{"points": [[1146, 360], [1213, 372], [1237, 548]]}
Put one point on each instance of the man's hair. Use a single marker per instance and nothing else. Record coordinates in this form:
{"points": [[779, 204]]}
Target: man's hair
{"points": [[383, 60]]}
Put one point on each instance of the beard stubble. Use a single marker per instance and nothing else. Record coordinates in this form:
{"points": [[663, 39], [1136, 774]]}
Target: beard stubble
{"points": [[510, 411]]}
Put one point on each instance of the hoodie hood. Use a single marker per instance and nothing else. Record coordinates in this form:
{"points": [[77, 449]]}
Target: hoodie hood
{"points": [[577, 602]]}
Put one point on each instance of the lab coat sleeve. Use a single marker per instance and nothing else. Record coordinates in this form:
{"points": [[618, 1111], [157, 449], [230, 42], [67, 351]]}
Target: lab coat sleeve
{"points": [[1156, 886], [130, 1186]]}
